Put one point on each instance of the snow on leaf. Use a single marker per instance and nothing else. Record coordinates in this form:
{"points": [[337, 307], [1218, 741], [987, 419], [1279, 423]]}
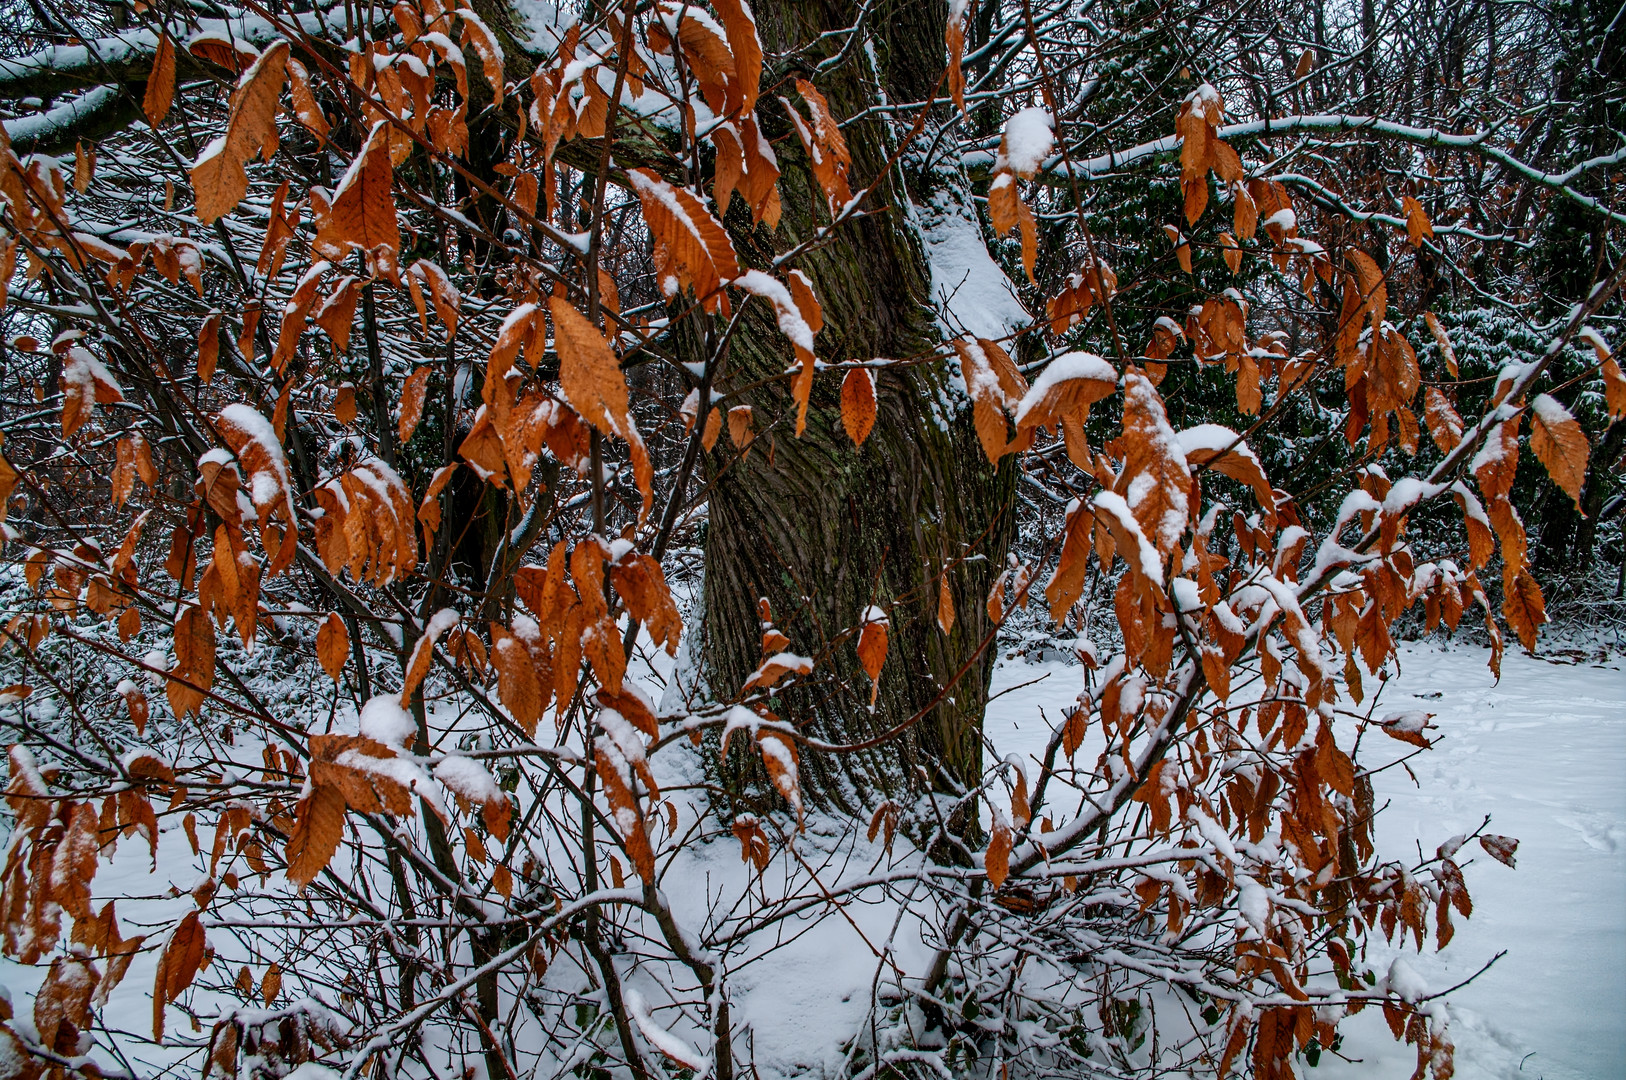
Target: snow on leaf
{"points": [[1155, 475], [361, 214], [1496, 462], [468, 780], [1404, 982], [218, 177], [1224, 451], [997, 859], [86, 383], [777, 667], [616, 777], [1501, 848], [489, 49], [692, 250], [780, 759], [1068, 386], [254, 442], [423, 654]]}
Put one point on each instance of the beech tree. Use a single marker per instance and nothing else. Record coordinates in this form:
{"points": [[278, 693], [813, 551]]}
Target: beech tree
{"points": [[465, 467]]}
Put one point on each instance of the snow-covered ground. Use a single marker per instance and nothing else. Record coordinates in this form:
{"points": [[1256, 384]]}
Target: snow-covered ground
{"points": [[1544, 753]]}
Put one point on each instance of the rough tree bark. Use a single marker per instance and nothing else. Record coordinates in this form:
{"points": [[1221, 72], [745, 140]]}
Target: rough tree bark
{"points": [[822, 529]]}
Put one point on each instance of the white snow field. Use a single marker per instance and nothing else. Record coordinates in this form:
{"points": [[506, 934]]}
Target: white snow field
{"points": [[1544, 753]]}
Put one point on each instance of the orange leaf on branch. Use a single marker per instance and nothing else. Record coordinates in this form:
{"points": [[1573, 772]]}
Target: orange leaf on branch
{"points": [[487, 48], [617, 777], [1067, 583], [692, 251], [333, 645], [1418, 227], [160, 92], [1559, 444], [997, 389], [1067, 387], [518, 686], [779, 757], [219, 179], [640, 583], [1219, 448], [306, 110], [1525, 609], [825, 146], [590, 376], [997, 859], [1069, 307], [740, 26], [858, 404], [412, 395], [178, 965], [1500, 848], [799, 317], [872, 646], [318, 830], [1195, 126], [361, 215]]}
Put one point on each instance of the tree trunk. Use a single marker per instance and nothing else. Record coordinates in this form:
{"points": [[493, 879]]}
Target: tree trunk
{"points": [[823, 529]]}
